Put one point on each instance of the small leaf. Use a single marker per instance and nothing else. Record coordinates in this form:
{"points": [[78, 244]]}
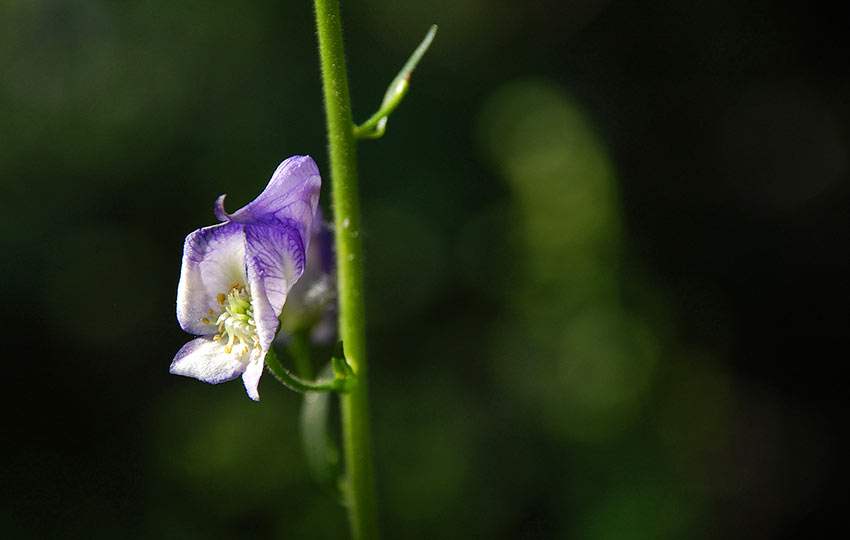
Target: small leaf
{"points": [[342, 369]]}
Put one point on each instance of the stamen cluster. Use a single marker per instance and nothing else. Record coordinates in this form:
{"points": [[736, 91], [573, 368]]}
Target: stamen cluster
{"points": [[236, 321]]}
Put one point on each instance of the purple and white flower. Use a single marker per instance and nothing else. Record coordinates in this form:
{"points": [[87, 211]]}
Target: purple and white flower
{"points": [[236, 276]]}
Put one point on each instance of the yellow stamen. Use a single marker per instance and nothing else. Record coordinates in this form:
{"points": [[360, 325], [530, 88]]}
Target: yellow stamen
{"points": [[235, 321]]}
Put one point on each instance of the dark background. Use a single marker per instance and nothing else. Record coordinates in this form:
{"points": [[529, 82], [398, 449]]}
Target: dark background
{"points": [[606, 291]]}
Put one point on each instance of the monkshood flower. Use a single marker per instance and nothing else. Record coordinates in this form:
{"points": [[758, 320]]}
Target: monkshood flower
{"points": [[236, 276]]}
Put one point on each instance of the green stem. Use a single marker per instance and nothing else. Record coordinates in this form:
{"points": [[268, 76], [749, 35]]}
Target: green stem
{"points": [[360, 490], [298, 384]]}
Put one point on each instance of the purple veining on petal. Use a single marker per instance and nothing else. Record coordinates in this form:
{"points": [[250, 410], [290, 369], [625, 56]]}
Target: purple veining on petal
{"points": [[205, 359], [213, 258], [275, 259], [289, 200]]}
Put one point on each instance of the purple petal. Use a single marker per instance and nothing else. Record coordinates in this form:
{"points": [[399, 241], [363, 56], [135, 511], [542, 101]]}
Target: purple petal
{"points": [[275, 258], [289, 199], [206, 360], [213, 258], [251, 376], [218, 209]]}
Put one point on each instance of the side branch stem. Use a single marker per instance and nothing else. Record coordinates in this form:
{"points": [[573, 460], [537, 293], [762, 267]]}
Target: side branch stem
{"points": [[298, 384], [360, 491]]}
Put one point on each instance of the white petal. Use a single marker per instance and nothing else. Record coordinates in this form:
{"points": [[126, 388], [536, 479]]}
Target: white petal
{"points": [[213, 259], [206, 360], [251, 376]]}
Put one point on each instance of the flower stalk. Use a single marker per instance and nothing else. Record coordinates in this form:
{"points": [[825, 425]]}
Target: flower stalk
{"points": [[287, 378], [376, 125], [359, 493]]}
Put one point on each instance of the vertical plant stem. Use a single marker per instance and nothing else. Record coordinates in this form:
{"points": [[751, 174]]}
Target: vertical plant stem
{"points": [[360, 490]]}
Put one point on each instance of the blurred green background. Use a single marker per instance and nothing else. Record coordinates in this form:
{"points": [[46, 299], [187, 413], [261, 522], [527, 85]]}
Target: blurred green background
{"points": [[605, 286]]}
